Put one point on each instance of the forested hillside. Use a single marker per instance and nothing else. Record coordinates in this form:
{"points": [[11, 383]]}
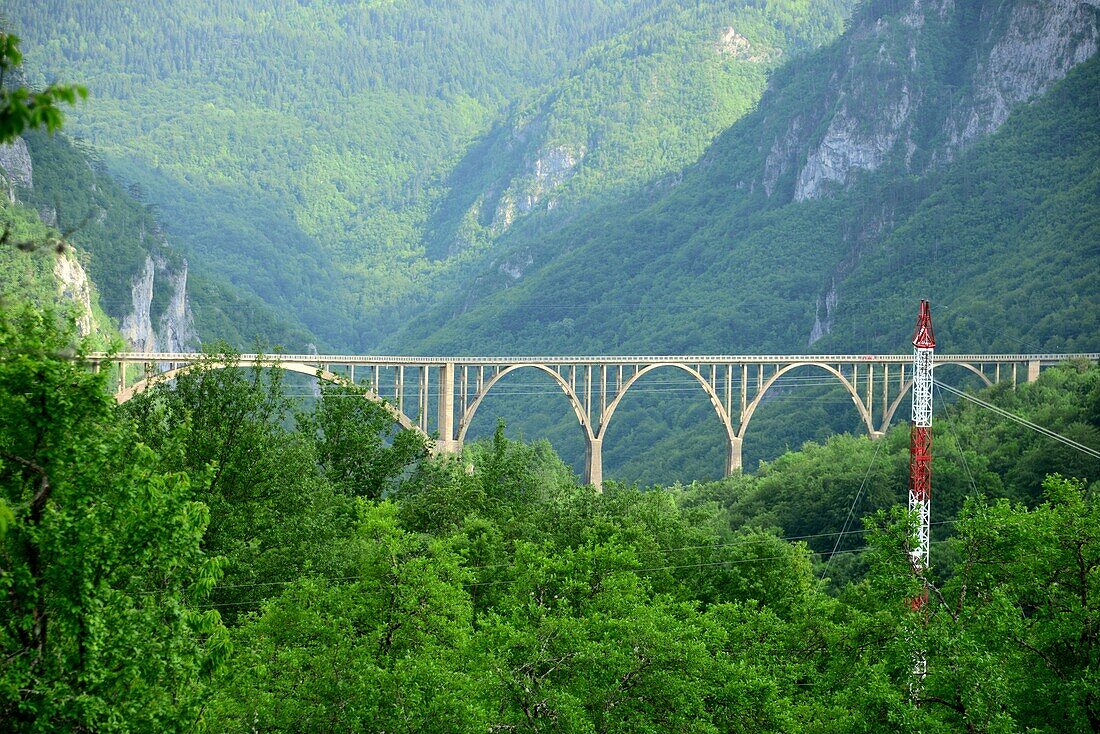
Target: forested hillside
{"points": [[234, 550], [346, 161], [534, 197], [741, 254]]}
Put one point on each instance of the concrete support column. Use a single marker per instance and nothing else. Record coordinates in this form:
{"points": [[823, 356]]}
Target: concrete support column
{"points": [[1033, 370], [593, 462], [447, 443], [733, 456], [422, 397]]}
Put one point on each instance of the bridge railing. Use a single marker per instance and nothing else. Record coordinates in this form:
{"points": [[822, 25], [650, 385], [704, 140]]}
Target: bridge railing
{"points": [[182, 357]]}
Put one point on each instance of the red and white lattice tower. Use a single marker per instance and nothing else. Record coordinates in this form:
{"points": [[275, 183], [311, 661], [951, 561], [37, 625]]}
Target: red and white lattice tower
{"points": [[920, 441]]}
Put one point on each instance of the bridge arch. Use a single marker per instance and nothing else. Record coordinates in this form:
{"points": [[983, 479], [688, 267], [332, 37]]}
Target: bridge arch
{"points": [[574, 401], [733, 443], [141, 386], [889, 415], [716, 402], [988, 382], [864, 411]]}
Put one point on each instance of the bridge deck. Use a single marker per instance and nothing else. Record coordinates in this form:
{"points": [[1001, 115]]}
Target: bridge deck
{"points": [[182, 357]]}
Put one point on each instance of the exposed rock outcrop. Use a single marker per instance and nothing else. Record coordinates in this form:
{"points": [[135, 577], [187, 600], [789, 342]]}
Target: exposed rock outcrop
{"points": [[823, 326], [782, 155], [851, 144], [515, 266], [892, 102], [1039, 45], [15, 161], [175, 330], [74, 286], [888, 102], [550, 169], [733, 44], [48, 214], [137, 326]]}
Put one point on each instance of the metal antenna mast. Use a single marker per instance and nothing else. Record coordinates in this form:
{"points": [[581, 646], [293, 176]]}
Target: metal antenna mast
{"points": [[920, 437], [920, 452]]}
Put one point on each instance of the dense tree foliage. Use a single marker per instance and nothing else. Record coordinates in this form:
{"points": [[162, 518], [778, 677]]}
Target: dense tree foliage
{"points": [[280, 497], [22, 108], [369, 585], [101, 570]]}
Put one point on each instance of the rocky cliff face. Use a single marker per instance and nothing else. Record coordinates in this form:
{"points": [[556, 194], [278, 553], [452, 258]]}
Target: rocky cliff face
{"points": [[551, 167], [117, 243], [916, 87], [15, 162], [177, 323], [1035, 47], [733, 44], [907, 92], [74, 286], [823, 322], [175, 327]]}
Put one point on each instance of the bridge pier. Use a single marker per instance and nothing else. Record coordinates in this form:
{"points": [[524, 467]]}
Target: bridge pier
{"points": [[1033, 370], [733, 456], [447, 442], [593, 462]]}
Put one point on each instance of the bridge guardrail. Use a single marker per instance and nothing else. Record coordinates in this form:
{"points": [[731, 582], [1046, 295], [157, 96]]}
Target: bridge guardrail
{"points": [[181, 357]]}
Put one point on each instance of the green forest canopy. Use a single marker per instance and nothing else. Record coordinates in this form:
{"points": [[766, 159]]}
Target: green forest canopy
{"points": [[306, 590]]}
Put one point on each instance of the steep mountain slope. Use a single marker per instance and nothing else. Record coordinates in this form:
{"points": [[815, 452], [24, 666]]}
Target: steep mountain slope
{"points": [[342, 159], [122, 272], [864, 180], [635, 108], [121, 262], [277, 137], [842, 149], [35, 269]]}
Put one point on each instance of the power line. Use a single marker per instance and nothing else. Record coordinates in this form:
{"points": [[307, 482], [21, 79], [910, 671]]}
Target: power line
{"points": [[852, 508], [715, 546], [1022, 421], [958, 445]]}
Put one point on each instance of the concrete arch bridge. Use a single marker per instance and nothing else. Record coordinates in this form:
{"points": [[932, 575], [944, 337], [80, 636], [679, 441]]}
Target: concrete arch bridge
{"points": [[443, 394]]}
